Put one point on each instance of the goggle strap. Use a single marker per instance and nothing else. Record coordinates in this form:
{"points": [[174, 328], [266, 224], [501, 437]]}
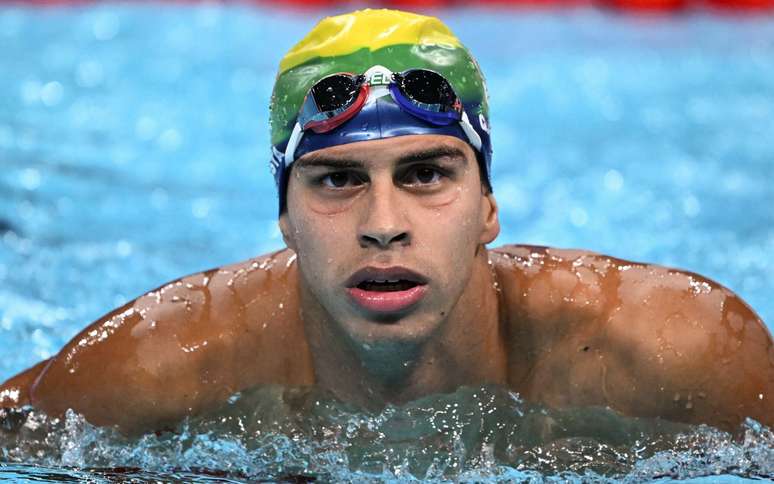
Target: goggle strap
{"points": [[470, 132], [295, 139]]}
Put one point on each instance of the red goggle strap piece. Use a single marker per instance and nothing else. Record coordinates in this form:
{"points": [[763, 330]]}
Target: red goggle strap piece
{"points": [[330, 124]]}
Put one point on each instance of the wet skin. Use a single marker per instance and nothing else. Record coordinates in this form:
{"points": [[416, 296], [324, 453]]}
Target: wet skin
{"points": [[561, 327]]}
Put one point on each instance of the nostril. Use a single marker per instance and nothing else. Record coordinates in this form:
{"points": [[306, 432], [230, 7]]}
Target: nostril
{"points": [[402, 237], [384, 240]]}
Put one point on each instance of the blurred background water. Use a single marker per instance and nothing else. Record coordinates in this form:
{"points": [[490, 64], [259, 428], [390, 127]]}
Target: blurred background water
{"points": [[134, 146]]}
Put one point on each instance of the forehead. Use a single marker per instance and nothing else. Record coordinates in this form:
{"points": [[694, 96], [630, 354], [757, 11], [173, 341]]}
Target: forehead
{"points": [[401, 148]]}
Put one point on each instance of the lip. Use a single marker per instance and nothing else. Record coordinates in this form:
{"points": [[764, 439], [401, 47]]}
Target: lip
{"points": [[383, 302], [394, 272]]}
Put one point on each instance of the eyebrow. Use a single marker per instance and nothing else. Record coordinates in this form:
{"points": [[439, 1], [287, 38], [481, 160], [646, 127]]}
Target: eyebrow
{"points": [[318, 159]]}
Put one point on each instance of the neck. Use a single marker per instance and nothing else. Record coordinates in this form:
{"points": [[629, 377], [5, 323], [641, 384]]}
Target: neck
{"points": [[467, 349]]}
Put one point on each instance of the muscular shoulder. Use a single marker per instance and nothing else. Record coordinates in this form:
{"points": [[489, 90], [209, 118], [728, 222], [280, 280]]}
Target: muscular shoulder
{"points": [[542, 282], [215, 307], [545, 284], [694, 347], [645, 339], [184, 346]]}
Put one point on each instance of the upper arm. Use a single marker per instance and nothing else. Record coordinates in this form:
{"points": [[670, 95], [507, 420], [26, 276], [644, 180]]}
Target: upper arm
{"points": [[178, 350], [15, 392], [689, 349], [643, 339], [115, 370]]}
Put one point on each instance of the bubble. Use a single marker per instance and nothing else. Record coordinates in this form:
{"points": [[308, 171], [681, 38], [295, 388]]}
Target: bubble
{"points": [[30, 178], [123, 248], [691, 206], [200, 208], [89, 74], [613, 180], [170, 139], [145, 128], [106, 26], [578, 216], [51, 93]]}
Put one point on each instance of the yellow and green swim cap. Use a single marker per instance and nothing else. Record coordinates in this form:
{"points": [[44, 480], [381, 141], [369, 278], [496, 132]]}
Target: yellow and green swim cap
{"points": [[356, 42]]}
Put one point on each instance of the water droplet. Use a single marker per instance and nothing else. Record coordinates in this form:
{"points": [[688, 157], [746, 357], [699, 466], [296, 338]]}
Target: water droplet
{"points": [[89, 74], [51, 93], [30, 178], [691, 206], [170, 139], [123, 248], [106, 27], [145, 128], [200, 208], [613, 180], [578, 216]]}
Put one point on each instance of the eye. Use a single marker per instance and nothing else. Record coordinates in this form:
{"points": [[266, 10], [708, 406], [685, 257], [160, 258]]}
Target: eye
{"points": [[340, 179], [424, 175]]}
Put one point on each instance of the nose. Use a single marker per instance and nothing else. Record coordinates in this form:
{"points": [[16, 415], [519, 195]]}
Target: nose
{"points": [[384, 223]]}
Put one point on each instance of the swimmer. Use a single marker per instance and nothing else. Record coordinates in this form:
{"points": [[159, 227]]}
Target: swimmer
{"points": [[387, 292]]}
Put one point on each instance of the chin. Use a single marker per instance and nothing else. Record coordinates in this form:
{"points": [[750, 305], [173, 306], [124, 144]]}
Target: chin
{"points": [[411, 329]]}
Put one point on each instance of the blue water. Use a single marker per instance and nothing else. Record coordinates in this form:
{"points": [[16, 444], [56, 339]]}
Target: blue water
{"points": [[134, 149]]}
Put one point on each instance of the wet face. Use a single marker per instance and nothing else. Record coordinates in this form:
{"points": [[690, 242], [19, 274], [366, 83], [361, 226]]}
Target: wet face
{"points": [[387, 233]]}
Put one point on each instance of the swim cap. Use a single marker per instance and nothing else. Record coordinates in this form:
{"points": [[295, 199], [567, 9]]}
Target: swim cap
{"points": [[356, 42]]}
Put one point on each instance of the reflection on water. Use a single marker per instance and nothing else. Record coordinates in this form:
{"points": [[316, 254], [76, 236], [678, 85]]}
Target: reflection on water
{"points": [[276, 432]]}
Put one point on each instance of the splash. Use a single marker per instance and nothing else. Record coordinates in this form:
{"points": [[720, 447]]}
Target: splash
{"points": [[485, 433]]}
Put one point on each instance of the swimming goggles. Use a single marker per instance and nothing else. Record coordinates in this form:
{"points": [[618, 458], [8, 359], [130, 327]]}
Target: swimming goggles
{"points": [[337, 98]]}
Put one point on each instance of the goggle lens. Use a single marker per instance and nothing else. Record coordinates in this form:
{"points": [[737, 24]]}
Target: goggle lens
{"points": [[427, 87], [336, 92]]}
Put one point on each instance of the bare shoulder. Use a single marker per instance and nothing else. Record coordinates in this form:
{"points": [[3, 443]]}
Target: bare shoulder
{"points": [[645, 339], [545, 284], [183, 348], [694, 346]]}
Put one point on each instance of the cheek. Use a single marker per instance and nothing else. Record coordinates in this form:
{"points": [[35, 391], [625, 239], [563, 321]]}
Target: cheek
{"points": [[458, 222], [319, 241], [449, 237]]}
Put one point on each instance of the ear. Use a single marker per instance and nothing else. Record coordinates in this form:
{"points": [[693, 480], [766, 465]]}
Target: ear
{"points": [[491, 221], [287, 232]]}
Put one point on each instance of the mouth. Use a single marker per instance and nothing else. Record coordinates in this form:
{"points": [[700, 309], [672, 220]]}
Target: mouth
{"points": [[386, 290], [395, 285]]}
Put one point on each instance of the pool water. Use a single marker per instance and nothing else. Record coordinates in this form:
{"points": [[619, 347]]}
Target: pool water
{"points": [[134, 149]]}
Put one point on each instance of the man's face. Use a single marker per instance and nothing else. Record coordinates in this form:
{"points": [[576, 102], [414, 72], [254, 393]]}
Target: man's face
{"points": [[387, 231]]}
